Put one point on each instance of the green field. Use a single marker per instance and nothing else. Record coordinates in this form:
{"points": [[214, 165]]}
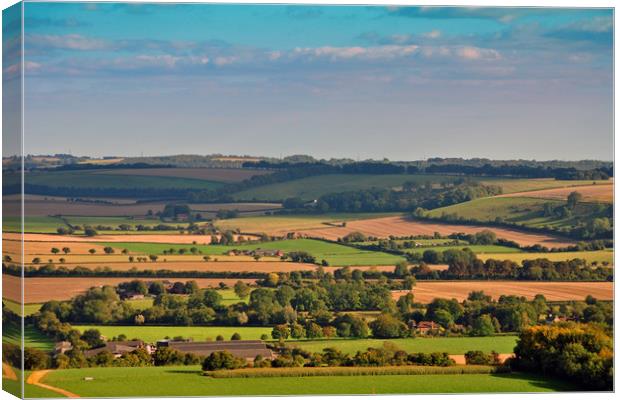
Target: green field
{"points": [[478, 249], [152, 334], [335, 254], [51, 224], [523, 211], [89, 179], [32, 224], [315, 186], [451, 345], [229, 297], [116, 221], [29, 309], [600, 257], [188, 381], [32, 337]]}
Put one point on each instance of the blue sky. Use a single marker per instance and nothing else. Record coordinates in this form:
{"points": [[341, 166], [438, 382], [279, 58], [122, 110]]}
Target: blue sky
{"points": [[330, 81]]}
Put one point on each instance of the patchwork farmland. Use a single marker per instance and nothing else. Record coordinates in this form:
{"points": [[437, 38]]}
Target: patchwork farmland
{"points": [[268, 271]]}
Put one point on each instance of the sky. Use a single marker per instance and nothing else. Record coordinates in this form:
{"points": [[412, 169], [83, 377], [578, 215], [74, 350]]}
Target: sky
{"points": [[360, 82]]}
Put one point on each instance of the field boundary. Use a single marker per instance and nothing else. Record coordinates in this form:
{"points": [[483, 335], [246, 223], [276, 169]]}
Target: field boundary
{"points": [[354, 371]]}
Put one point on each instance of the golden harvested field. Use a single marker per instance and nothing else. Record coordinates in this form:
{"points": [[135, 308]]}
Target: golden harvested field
{"points": [[402, 226], [209, 174], [102, 161], [525, 185], [426, 291], [589, 256], [590, 193], [39, 290], [280, 225], [44, 248]]}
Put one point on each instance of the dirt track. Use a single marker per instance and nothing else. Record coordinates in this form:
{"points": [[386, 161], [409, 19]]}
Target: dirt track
{"points": [[402, 226], [8, 373], [36, 377]]}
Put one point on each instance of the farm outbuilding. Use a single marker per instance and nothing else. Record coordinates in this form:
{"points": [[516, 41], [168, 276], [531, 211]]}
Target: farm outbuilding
{"points": [[247, 349]]}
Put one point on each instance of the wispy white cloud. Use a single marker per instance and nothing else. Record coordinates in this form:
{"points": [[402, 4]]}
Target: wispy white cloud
{"points": [[477, 53], [356, 52], [67, 42], [434, 34]]}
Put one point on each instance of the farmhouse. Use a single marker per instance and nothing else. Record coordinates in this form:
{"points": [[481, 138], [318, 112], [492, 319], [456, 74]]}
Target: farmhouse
{"points": [[247, 349], [425, 327], [62, 347], [119, 348]]}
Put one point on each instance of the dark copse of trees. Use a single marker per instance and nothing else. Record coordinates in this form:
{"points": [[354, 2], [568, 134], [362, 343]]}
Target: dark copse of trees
{"points": [[463, 264], [414, 196], [479, 315], [582, 353]]}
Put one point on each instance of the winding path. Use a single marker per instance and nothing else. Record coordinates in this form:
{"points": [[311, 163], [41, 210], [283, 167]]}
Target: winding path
{"points": [[36, 377], [8, 373]]}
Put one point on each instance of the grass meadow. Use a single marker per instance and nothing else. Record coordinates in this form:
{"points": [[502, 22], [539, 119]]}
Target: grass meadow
{"points": [[95, 179], [32, 337], [451, 345], [152, 334], [523, 211], [313, 187], [478, 249], [333, 253], [188, 381]]}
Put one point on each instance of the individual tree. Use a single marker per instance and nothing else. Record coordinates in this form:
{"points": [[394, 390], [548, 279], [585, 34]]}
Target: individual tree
{"points": [[93, 338], [89, 231], [219, 360], [280, 332], [212, 298], [387, 326], [483, 326], [242, 289], [573, 199]]}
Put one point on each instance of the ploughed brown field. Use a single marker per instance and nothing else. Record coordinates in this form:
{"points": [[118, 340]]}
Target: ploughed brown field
{"points": [[49, 205], [209, 174], [426, 291], [602, 193], [402, 226], [38, 290]]}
